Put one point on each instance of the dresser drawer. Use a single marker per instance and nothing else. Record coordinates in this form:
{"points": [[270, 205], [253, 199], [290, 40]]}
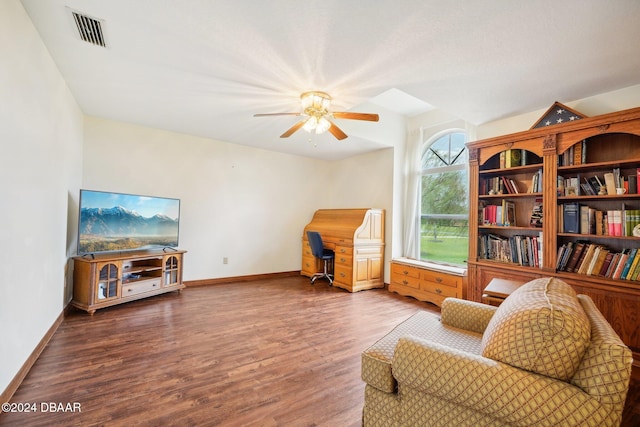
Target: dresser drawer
{"points": [[343, 273], [439, 289], [343, 250], [439, 278], [409, 281], [401, 270], [310, 264], [346, 260], [140, 287]]}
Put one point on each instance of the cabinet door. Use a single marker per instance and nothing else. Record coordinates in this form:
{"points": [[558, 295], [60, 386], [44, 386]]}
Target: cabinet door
{"points": [[107, 281], [374, 268], [171, 273]]}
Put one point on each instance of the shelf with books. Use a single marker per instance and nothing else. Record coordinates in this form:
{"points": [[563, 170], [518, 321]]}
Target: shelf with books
{"points": [[517, 249], [606, 216], [585, 257]]}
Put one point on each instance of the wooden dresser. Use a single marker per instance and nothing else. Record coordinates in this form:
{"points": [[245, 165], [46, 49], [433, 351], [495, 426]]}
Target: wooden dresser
{"points": [[427, 282], [357, 238]]}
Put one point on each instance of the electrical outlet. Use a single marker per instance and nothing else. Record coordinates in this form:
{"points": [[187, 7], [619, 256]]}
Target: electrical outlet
{"points": [[225, 260]]}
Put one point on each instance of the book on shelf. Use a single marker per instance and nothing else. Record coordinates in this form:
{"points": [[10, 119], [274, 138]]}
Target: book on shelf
{"points": [[587, 187], [634, 271], [632, 184], [595, 183], [622, 261], [575, 256], [508, 213], [628, 263], [536, 182], [571, 217], [577, 153], [513, 158], [600, 228], [606, 264], [610, 183], [587, 220], [564, 255], [584, 265], [536, 213], [614, 222], [598, 260]]}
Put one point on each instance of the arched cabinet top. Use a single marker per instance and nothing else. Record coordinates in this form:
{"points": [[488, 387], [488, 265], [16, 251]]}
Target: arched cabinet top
{"points": [[557, 139]]}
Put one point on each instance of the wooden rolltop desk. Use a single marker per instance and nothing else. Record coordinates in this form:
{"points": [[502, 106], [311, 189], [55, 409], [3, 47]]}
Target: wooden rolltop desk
{"points": [[357, 237]]}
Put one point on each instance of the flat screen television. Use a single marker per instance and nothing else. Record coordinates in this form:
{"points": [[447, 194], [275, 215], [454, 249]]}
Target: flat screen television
{"points": [[111, 222]]}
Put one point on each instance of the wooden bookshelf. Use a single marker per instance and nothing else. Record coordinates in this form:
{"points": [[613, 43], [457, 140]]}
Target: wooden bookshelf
{"points": [[586, 148]]}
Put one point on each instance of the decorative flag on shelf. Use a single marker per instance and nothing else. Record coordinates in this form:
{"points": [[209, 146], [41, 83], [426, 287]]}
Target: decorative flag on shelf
{"points": [[558, 114]]}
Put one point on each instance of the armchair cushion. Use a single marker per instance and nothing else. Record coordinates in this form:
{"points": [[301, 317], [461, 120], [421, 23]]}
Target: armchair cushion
{"points": [[606, 366], [376, 360], [541, 327]]}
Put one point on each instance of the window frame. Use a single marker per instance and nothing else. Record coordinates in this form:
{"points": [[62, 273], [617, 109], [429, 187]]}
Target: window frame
{"points": [[425, 146]]}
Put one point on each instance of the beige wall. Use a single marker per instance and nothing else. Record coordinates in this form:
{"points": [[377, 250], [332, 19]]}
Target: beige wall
{"points": [[40, 168]]}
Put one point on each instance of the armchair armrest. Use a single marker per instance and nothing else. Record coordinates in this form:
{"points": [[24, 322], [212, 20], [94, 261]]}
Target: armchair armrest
{"points": [[501, 391], [468, 315]]}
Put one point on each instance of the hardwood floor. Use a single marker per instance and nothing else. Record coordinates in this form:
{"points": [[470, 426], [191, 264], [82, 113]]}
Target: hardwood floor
{"points": [[271, 352], [266, 353]]}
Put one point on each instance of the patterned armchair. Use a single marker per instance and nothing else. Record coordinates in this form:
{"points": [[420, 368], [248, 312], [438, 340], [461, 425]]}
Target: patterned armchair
{"points": [[545, 357]]}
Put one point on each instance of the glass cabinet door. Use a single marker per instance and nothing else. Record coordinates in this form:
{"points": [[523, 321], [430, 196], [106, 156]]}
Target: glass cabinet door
{"points": [[107, 283], [171, 266]]}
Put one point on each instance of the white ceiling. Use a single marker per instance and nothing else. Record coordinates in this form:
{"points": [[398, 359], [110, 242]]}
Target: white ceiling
{"points": [[204, 67]]}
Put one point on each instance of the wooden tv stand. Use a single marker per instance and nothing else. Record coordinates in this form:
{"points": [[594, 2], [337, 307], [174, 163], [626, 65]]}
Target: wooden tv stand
{"points": [[109, 279]]}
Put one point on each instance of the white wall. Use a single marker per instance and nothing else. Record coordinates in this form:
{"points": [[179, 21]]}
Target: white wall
{"points": [[242, 203], [40, 164]]}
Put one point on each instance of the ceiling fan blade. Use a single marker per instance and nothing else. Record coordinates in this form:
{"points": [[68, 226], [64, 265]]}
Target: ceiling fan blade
{"points": [[356, 116], [293, 128], [337, 132], [276, 114]]}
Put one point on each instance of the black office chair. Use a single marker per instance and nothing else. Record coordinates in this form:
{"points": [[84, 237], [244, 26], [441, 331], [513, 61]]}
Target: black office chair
{"points": [[326, 255]]}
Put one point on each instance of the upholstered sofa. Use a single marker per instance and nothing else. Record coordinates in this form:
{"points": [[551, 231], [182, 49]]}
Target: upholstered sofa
{"points": [[545, 357]]}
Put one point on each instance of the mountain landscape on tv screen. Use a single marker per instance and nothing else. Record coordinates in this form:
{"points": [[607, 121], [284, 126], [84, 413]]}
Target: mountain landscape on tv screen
{"points": [[118, 228]]}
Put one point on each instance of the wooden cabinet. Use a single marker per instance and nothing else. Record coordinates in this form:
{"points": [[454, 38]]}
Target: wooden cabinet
{"points": [[430, 283], [111, 279], [558, 184], [357, 238]]}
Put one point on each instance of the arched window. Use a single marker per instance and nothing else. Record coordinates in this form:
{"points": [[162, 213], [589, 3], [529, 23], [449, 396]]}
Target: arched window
{"points": [[444, 199]]}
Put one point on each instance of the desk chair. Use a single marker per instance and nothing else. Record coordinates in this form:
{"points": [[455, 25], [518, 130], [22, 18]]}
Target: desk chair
{"points": [[326, 255]]}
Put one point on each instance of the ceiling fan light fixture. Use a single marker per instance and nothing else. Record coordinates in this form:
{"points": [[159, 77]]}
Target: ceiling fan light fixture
{"points": [[310, 124], [323, 125], [315, 103]]}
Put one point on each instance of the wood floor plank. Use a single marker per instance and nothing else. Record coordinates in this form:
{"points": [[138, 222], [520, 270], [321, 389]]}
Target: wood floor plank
{"points": [[276, 352]]}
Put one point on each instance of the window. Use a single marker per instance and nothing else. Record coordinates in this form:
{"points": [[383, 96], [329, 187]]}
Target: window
{"points": [[444, 199]]}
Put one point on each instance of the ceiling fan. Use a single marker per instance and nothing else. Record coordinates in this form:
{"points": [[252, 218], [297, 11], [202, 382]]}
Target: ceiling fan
{"points": [[316, 115]]}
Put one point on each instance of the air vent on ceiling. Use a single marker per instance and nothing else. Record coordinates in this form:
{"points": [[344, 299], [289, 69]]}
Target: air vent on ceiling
{"points": [[90, 29]]}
